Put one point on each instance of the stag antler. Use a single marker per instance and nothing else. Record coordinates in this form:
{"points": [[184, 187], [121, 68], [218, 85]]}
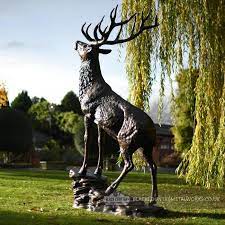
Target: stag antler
{"points": [[103, 40]]}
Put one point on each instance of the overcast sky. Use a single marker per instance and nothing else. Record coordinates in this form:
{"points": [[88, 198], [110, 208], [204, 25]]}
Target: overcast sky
{"points": [[36, 46]]}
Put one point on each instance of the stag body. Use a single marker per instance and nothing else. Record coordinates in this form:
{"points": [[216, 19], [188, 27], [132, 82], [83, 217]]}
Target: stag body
{"points": [[130, 126]]}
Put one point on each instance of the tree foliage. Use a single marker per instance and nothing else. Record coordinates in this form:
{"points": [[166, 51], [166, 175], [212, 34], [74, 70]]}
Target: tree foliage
{"points": [[22, 102], [184, 111], [72, 123], [60, 127], [191, 34], [36, 99], [139, 56], [70, 103], [15, 128], [4, 102], [15, 131], [43, 115], [51, 151]]}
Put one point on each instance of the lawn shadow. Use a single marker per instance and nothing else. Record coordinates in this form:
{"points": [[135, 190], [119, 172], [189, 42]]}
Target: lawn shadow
{"points": [[71, 218], [21, 173], [83, 218], [176, 214]]}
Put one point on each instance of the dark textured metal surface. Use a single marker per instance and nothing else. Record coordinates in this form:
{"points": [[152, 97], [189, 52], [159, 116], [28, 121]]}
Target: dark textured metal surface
{"points": [[130, 126], [89, 194]]}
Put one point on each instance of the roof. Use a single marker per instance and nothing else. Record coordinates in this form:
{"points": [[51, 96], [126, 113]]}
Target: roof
{"points": [[164, 129]]}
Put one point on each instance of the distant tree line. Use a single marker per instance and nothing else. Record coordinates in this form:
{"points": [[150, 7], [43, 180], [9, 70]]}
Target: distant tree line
{"points": [[55, 129]]}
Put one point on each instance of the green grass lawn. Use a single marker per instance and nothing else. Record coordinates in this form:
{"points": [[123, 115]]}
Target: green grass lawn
{"points": [[45, 197]]}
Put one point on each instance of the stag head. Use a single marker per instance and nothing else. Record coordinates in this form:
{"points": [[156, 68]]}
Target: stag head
{"points": [[101, 36]]}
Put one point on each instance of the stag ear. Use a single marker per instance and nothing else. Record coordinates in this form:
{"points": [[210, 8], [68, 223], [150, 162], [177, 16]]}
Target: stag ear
{"points": [[104, 51]]}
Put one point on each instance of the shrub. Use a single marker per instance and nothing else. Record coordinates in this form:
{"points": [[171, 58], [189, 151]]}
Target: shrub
{"points": [[15, 131]]}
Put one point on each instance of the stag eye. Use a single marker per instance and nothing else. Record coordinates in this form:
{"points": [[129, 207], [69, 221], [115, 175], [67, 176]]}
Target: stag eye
{"points": [[85, 46]]}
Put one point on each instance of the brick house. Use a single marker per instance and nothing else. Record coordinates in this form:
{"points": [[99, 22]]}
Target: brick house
{"points": [[163, 152]]}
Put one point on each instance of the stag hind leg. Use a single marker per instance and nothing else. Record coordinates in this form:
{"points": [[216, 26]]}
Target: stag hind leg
{"points": [[128, 166], [147, 153]]}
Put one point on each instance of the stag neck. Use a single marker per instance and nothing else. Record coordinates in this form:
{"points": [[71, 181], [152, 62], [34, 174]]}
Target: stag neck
{"points": [[90, 79], [91, 69]]}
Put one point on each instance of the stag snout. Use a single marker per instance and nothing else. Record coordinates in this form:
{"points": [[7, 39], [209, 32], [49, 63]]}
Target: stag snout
{"points": [[83, 49], [80, 44]]}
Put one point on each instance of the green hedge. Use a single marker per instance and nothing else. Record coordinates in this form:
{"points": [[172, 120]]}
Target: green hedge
{"points": [[15, 131]]}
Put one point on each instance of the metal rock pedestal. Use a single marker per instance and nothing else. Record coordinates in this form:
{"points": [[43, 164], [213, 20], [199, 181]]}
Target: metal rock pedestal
{"points": [[89, 192]]}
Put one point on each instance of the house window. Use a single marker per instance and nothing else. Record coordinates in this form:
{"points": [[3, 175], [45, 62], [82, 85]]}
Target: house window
{"points": [[164, 146]]}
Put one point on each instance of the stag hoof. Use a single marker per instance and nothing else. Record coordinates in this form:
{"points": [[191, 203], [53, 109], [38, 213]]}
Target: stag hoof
{"points": [[109, 190], [98, 172], [152, 202], [82, 171]]}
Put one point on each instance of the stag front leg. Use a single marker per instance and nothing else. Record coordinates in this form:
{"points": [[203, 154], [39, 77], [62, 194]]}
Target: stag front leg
{"points": [[128, 166], [87, 125], [98, 170]]}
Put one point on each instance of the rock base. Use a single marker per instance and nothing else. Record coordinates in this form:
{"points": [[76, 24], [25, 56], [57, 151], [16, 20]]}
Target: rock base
{"points": [[89, 192]]}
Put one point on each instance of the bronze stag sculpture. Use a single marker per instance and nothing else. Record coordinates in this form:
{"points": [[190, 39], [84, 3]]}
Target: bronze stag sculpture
{"points": [[130, 126]]}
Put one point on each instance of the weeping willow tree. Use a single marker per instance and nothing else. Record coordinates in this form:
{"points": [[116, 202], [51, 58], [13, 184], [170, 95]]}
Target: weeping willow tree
{"points": [[191, 35], [140, 53], [184, 111], [3, 97]]}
